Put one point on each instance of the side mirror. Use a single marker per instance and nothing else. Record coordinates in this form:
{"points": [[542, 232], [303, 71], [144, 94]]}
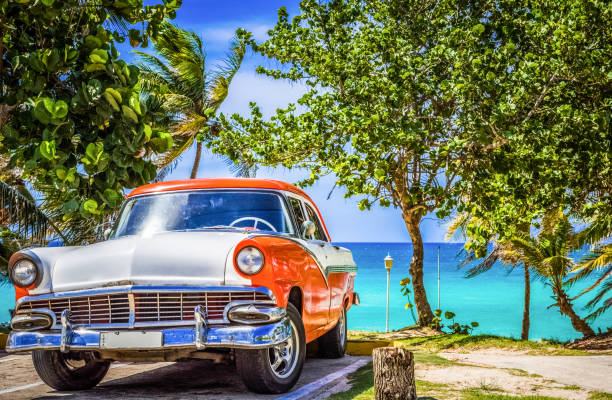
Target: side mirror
{"points": [[107, 234], [308, 228]]}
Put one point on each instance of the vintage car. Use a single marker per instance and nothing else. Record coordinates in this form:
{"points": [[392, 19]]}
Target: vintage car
{"points": [[219, 269]]}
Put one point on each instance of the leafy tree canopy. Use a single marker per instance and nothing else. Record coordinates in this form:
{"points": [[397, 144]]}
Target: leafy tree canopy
{"points": [[71, 117], [511, 99]]}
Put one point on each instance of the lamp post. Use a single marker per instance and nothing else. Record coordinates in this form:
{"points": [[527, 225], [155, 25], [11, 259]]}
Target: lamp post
{"points": [[388, 265]]}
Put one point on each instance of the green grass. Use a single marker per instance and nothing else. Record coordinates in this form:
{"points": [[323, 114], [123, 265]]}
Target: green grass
{"points": [[479, 394], [467, 343], [362, 385], [434, 359], [600, 396]]}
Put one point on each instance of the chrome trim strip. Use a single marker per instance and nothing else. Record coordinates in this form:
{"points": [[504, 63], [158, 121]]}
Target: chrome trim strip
{"points": [[201, 330], [66, 338], [220, 336], [145, 289], [132, 305], [338, 269]]}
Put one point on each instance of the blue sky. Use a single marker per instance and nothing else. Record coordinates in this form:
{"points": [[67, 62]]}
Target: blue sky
{"points": [[216, 22]]}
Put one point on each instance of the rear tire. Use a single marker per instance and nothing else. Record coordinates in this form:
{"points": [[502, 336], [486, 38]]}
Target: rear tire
{"points": [[72, 371], [277, 369], [333, 343]]}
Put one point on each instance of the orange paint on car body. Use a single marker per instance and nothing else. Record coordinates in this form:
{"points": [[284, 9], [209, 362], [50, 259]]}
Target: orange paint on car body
{"points": [[288, 265]]}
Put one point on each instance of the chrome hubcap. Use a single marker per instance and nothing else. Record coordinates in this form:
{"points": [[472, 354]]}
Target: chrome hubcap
{"points": [[341, 326], [283, 358]]}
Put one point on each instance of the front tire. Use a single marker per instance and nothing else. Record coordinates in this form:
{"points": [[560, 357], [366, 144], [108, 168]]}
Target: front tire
{"points": [[72, 371], [276, 369], [333, 343]]}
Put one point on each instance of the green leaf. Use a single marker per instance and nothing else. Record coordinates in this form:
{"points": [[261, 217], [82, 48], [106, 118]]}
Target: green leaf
{"points": [[474, 324], [98, 56], [449, 315], [437, 313], [135, 103], [112, 198], [91, 206], [47, 149], [478, 29]]}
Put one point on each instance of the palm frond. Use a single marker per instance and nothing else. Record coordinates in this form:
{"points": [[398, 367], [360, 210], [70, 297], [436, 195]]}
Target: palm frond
{"points": [[458, 224], [241, 169], [20, 214], [485, 265], [607, 303], [219, 88]]}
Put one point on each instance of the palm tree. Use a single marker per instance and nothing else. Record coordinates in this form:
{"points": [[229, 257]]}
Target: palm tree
{"points": [[502, 250], [597, 261], [548, 255], [190, 94]]}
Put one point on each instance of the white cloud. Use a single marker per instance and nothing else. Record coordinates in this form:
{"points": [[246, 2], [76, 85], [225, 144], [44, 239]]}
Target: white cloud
{"points": [[268, 93], [217, 38]]}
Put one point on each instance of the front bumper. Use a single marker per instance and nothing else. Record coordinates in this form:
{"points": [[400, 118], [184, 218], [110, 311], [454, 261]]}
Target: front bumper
{"points": [[222, 336]]}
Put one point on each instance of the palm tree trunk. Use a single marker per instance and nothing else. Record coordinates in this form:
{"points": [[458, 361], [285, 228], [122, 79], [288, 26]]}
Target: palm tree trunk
{"points": [[566, 308], [196, 162], [525, 328], [416, 269]]}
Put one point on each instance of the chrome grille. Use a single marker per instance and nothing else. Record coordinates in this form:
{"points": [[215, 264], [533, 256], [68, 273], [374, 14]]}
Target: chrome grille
{"points": [[180, 306], [87, 310], [148, 307]]}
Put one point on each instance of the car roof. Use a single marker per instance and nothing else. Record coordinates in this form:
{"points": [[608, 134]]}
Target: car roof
{"points": [[217, 183], [224, 183]]}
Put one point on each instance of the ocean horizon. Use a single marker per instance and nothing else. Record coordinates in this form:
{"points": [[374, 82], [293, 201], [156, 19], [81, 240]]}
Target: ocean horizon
{"points": [[494, 299]]}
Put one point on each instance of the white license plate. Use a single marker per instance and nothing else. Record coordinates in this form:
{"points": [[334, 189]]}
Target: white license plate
{"points": [[131, 340]]}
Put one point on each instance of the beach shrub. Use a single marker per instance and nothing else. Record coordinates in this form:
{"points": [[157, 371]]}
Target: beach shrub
{"points": [[71, 117], [450, 325]]}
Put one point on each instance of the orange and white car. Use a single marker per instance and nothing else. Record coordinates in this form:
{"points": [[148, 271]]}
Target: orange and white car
{"points": [[240, 269]]}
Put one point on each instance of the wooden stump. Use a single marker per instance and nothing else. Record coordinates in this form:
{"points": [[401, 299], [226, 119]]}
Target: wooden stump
{"points": [[393, 374]]}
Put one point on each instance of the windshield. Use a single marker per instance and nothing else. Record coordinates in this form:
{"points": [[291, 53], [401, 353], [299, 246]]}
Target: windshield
{"points": [[179, 211]]}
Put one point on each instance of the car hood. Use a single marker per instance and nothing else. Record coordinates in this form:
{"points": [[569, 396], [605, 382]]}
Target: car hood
{"points": [[170, 258]]}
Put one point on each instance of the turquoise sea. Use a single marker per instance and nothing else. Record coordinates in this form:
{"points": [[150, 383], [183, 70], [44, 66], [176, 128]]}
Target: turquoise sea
{"points": [[493, 299]]}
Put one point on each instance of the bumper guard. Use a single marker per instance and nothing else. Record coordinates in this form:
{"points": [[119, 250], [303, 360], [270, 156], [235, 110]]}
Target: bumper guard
{"points": [[200, 336]]}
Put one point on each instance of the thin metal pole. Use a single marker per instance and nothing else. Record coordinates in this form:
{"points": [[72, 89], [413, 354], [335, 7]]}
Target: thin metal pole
{"points": [[438, 277], [388, 277]]}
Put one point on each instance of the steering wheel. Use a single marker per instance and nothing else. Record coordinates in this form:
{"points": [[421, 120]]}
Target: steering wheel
{"points": [[256, 220]]}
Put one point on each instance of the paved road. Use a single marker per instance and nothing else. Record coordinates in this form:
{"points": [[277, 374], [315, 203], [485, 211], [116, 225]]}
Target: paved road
{"points": [[198, 379], [590, 372]]}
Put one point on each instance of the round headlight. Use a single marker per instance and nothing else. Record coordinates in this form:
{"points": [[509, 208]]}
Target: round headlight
{"points": [[250, 260], [24, 273]]}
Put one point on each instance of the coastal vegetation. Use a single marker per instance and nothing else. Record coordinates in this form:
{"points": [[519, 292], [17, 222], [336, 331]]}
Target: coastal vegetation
{"points": [[492, 109], [74, 131]]}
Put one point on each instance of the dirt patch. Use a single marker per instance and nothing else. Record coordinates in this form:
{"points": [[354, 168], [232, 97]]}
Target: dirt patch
{"points": [[495, 380], [588, 372]]}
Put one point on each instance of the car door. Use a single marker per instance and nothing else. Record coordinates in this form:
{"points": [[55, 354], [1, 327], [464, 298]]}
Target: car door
{"points": [[337, 278], [316, 290]]}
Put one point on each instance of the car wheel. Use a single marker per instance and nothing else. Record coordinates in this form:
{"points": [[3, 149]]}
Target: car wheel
{"points": [[333, 343], [72, 371], [276, 369]]}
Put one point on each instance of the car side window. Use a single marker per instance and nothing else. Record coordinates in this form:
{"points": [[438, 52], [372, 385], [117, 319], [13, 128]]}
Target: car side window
{"points": [[312, 216], [296, 205]]}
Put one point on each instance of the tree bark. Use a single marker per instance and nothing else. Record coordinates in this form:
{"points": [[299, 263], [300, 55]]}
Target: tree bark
{"points": [[412, 222], [525, 328], [393, 374], [566, 308], [196, 162]]}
